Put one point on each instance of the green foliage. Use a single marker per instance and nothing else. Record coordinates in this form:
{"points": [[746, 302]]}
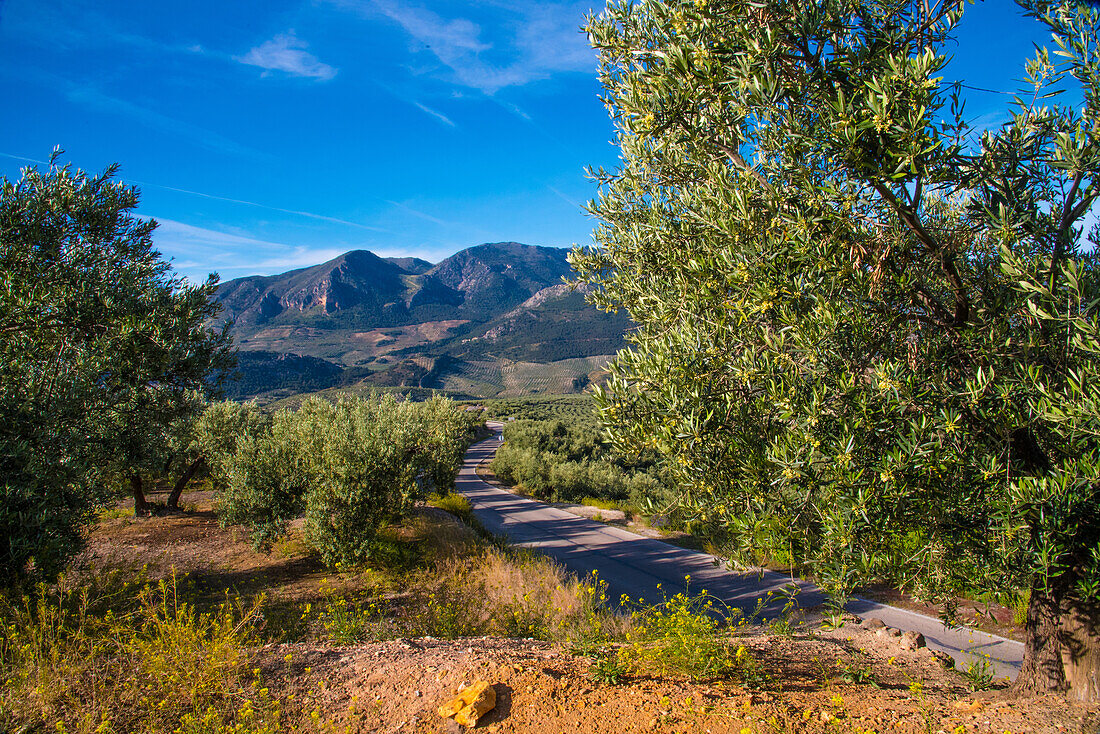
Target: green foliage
{"points": [[864, 328], [857, 672], [565, 461], [609, 669], [350, 467], [104, 349]]}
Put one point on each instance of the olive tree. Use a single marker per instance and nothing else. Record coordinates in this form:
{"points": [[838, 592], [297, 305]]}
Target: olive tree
{"points": [[101, 346], [867, 333], [349, 467]]}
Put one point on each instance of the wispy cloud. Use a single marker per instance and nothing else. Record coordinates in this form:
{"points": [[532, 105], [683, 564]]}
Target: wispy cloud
{"points": [[197, 250], [91, 97], [419, 214], [438, 115], [296, 212], [24, 159], [563, 197], [76, 25], [287, 53], [535, 40]]}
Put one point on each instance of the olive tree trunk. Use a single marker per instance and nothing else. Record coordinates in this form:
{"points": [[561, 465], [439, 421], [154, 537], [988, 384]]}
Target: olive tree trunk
{"points": [[1061, 647], [141, 507], [181, 484]]}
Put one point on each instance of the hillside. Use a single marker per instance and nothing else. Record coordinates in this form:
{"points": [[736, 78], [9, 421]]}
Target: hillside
{"points": [[494, 319]]}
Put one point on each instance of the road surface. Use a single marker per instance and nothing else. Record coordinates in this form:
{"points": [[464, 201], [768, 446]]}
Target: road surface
{"points": [[636, 566]]}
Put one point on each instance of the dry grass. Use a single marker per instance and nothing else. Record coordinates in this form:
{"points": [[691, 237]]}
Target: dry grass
{"points": [[515, 594]]}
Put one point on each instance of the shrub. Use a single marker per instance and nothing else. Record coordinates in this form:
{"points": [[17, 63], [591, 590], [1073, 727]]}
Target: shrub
{"points": [[565, 461]]}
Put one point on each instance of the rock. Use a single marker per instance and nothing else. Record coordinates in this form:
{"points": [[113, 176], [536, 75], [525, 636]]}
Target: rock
{"points": [[911, 640], [470, 704], [872, 623], [888, 632], [969, 706], [450, 726]]}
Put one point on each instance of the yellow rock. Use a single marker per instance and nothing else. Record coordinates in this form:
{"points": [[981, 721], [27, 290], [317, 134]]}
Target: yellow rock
{"points": [[470, 704]]}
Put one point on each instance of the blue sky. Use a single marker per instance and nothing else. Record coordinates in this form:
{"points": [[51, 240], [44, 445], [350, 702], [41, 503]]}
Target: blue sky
{"points": [[273, 134]]}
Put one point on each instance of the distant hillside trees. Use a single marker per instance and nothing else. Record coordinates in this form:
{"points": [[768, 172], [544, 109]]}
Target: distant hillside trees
{"points": [[349, 468], [858, 315], [564, 460], [102, 350]]}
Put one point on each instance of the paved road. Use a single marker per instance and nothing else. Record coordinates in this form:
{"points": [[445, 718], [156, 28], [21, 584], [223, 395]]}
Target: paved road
{"points": [[635, 565]]}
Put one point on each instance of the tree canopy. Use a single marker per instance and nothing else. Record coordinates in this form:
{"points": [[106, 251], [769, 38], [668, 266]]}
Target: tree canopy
{"points": [[867, 332], [102, 348]]}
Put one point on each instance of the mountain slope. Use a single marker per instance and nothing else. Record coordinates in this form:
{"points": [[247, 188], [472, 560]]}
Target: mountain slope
{"points": [[405, 322]]}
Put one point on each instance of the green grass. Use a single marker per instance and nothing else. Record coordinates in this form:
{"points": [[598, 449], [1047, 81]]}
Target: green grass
{"points": [[601, 504]]}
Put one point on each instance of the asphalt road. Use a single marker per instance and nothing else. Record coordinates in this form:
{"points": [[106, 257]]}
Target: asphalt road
{"points": [[648, 569]]}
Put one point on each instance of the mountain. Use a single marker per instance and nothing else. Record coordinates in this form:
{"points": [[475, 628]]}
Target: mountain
{"points": [[404, 322], [361, 290], [357, 280]]}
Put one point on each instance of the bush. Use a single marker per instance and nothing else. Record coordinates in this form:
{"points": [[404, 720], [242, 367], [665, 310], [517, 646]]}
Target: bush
{"points": [[684, 635]]}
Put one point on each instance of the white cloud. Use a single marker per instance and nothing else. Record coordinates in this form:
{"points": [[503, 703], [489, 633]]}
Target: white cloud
{"points": [[534, 40], [287, 53], [438, 115]]}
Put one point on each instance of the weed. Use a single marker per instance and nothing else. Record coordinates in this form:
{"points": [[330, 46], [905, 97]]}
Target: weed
{"points": [[978, 674], [749, 670], [916, 690], [608, 668], [127, 654], [857, 673], [350, 618], [453, 503], [783, 624], [684, 635], [824, 673]]}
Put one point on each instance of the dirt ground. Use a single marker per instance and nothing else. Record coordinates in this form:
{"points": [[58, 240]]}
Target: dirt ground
{"points": [[397, 685]]}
